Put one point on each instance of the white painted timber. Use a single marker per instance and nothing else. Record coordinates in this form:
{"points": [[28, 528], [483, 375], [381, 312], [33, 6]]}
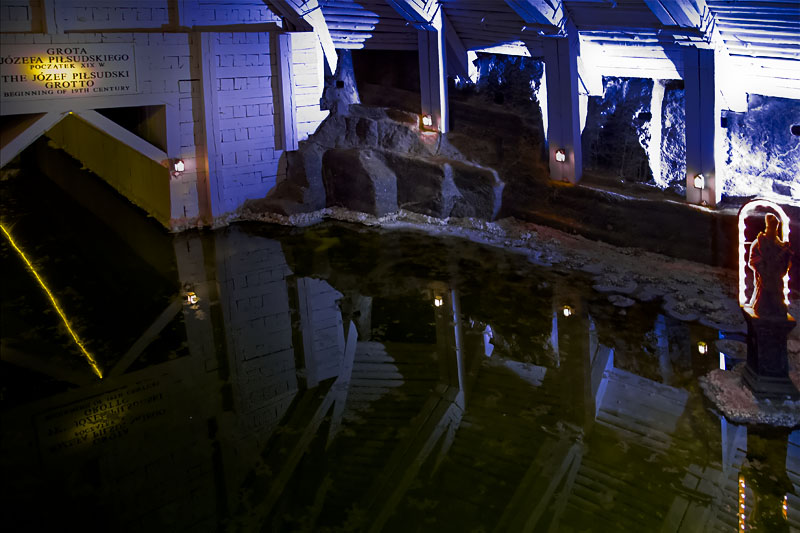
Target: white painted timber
{"points": [[458, 61], [11, 148], [540, 12], [285, 100], [133, 141], [433, 72], [702, 121], [563, 107], [310, 12]]}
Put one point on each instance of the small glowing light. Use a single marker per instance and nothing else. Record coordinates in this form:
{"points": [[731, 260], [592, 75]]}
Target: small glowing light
{"points": [[699, 182], [721, 361], [427, 121], [191, 298], [567, 311], [437, 301], [179, 165], [52, 298], [785, 510], [702, 348], [561, 155]]}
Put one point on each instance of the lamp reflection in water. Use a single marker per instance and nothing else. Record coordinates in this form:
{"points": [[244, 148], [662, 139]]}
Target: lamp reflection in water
{"points": [[57, 307]]}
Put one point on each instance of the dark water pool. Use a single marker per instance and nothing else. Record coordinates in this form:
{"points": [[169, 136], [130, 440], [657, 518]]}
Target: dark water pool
{"points": [[338, 378]]}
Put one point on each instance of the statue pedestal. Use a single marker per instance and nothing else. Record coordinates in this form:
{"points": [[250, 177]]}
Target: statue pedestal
{"points": [[767, 369]]}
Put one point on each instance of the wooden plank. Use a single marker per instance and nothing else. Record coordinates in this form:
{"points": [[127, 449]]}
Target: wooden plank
{"points": [[13, 144], [285, 96], [147, 337]]}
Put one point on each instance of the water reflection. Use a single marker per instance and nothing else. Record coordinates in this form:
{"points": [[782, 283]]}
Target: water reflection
{"points": [[336, 378]]}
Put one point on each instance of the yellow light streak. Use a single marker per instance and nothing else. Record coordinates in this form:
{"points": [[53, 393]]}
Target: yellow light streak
{"points": [[86, 354]]}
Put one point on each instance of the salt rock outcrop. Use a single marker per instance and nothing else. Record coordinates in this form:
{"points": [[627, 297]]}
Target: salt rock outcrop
{"points": [[376, 160], [380, 181]]}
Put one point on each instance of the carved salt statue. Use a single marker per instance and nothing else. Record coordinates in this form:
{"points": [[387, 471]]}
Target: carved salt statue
{"points": [[770, 259], [768, 322]]}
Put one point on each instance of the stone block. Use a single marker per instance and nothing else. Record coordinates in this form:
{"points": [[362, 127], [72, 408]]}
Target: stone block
{"points": [[359, 180]]}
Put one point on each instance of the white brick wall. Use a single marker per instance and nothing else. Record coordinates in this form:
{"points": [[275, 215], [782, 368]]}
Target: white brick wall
{"points": [[18, 15], [245, 156], [309, 79], [209, 13]]}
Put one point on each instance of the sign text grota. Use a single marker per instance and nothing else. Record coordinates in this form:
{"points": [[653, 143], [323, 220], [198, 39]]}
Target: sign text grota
{"points": [[38, 71]]}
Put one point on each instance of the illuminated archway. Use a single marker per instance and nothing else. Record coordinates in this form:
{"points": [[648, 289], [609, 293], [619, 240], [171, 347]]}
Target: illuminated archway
{"points": [[744, 245]]}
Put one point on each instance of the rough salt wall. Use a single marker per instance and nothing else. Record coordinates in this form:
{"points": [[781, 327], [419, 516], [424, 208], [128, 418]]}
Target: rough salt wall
{"points": [[617, 133], [673, 137], [509, 80], [763, 157]]}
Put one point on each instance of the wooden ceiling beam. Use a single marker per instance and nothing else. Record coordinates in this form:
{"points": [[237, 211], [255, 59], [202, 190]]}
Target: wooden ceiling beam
{"points": [[307, 15], [420, 13], [541, 12]]}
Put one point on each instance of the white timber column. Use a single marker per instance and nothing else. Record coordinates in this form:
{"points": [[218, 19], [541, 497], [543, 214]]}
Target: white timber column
{"points": [[433, 71], [703, 110], [284, 97], [209, 189], [563, 107]]}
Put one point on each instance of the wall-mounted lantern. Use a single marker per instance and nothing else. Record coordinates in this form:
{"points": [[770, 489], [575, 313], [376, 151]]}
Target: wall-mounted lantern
{"points": [[566, 311], [702, 348], [561, 155], [438, 301], [699, 181], [178, 165], [426, 123]]}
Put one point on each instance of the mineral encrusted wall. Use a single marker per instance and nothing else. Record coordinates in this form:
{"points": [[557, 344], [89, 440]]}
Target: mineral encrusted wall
{"points": [[763, 156]]}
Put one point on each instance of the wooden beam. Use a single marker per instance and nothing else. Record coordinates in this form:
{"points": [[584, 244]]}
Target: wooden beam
{"points": [[703, 113], [306, 15], [675, 12], [433, 72], [285, 89], [555, 462], [14, 143], [458, 53], [210, 191], [438, 414], [112, 129], [149, 335], [342, 385], [541, 12], [420, 13], [563, 108]]}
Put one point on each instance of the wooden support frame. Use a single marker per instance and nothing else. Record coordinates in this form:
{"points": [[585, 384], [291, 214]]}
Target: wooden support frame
{"points": [[31, 130], [306, 15], [703, 111], [563, 108], [541, 12], [284, 97], [433, 72], [210, 191]]}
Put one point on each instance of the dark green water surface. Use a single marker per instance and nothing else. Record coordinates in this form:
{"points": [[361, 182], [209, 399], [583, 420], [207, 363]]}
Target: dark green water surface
{"points": [[338, 378]]}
